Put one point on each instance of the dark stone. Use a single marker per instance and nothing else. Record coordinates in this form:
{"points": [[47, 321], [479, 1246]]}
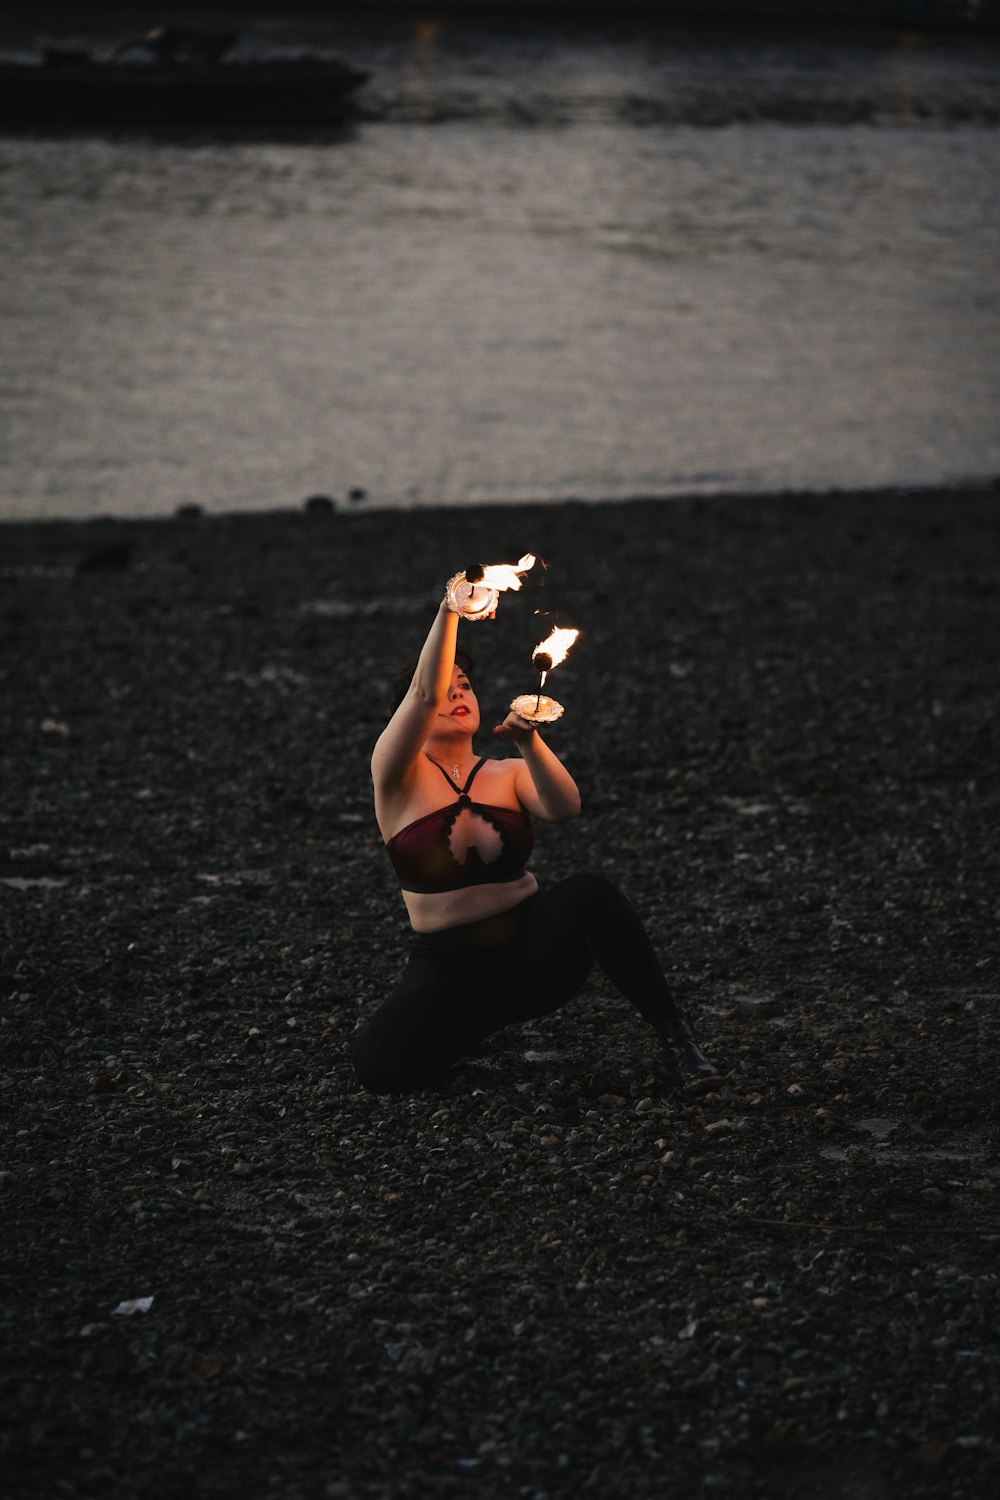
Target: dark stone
{"points": [[112, 557]]}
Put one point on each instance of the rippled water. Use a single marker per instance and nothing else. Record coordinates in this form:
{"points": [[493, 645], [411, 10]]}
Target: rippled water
{"points": [[555, 288]]}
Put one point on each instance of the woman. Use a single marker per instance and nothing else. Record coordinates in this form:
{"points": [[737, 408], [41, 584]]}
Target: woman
{"points": [[490, 949]]}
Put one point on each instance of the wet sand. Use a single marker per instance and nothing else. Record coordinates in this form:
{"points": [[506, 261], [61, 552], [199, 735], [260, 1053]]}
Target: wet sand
{"points": [[549, 1275]]}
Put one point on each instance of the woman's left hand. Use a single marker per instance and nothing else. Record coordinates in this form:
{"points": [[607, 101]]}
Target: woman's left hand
{"points": [[515, 728]]}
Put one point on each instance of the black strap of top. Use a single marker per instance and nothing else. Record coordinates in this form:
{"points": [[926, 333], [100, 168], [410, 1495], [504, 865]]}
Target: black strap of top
{"points": [[463, 791]]}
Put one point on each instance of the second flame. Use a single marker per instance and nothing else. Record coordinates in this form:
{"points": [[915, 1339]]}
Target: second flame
{"points": [[556, 647]]}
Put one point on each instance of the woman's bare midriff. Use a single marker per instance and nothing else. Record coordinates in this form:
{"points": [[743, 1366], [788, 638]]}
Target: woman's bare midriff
{"points": [[454, 908]]}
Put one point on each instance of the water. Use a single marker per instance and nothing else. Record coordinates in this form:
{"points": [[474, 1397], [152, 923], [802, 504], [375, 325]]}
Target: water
{"points": [[541, 267]]}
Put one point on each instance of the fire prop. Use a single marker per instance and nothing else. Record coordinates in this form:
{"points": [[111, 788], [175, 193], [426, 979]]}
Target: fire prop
{"points": [[536, 707], [474, 593]]}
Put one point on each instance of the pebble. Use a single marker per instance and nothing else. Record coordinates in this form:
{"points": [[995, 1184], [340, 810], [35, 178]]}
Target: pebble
{"points": [[532, 1260]]}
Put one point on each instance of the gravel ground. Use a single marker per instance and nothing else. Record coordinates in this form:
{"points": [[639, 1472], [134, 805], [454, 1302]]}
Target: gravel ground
{"points": [[548, 1276]]}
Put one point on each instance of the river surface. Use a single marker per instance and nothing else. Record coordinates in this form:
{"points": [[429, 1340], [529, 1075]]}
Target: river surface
{"points": [[545, 264]]}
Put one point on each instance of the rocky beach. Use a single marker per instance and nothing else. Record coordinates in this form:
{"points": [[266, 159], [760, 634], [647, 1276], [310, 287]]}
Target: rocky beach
{"points": [[228, 1271]]}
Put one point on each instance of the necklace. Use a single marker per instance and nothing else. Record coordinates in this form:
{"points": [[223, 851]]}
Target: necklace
{"points": [[456, 773]]}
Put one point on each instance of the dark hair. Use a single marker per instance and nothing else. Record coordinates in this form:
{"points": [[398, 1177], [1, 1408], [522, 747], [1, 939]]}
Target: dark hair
{"points": [[404, 676]]}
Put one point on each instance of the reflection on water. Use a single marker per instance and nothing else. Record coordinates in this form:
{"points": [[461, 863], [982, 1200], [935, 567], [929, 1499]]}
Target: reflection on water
{"points": [[552, 291]]}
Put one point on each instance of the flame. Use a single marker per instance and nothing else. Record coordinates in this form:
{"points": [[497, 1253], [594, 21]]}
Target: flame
{"points": [[505, 576], [555, 645]]}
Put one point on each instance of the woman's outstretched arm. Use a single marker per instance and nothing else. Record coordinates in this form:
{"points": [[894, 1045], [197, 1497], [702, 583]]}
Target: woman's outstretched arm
{"points": [[543, 785], [398, 746]]}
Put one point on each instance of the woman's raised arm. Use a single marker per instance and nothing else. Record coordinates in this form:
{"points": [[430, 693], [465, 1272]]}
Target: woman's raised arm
{"points": [[398, 746]]}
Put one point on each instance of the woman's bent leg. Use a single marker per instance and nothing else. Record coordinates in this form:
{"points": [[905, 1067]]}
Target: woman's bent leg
{"points": [[584, 920]]}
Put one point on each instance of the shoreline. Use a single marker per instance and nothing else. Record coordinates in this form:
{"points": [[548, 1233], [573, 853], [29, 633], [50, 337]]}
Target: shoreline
{"points": [[333, 506], [549, 1272]]}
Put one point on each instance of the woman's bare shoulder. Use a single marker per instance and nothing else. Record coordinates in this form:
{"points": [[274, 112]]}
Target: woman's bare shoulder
{"points": [[497, 773]]}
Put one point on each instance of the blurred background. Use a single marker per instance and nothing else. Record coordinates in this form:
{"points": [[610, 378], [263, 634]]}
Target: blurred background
{"points": [[517, 253]]}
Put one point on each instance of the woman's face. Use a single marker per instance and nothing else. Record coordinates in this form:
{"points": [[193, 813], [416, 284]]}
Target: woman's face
{"points": [[460, 714]]}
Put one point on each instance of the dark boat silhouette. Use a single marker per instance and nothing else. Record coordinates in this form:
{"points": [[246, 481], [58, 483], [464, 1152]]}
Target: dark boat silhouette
{"points": [[175, 77]]}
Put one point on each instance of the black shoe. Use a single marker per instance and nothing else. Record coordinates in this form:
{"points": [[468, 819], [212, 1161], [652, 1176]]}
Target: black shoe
{"points": [[687, 1065]]}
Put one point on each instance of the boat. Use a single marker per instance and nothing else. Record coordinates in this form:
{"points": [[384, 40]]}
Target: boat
{"points": [[174, 78]]}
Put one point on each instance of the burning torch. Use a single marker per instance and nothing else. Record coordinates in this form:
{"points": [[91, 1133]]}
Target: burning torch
{"points": [[474, 593], [537, 708]]}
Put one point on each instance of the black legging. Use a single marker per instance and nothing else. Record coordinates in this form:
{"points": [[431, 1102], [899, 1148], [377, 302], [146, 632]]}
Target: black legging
{"points": [[463, 984]]}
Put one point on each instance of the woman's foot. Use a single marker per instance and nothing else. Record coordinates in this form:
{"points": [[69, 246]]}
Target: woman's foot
{"points": [[687, 1065]]}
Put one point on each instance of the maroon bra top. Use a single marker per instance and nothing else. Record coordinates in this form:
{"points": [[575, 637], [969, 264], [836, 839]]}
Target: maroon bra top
{"points": [[421, 852]]}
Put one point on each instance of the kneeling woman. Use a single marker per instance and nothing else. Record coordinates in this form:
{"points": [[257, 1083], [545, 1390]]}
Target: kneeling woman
{"points": [[490, 948]]}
